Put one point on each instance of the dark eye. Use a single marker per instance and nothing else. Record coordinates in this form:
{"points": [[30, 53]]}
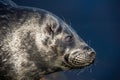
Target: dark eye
{"points": [[69, 39]]}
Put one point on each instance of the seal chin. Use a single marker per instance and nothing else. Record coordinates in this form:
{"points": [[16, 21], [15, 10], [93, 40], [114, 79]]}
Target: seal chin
{"points": [[79, 60]]}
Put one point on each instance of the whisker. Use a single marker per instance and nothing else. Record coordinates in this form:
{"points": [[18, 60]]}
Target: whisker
{"points": [[95, 63], [69, 71], [63, 18], [81, 71], [70, 22], [88, 42], [91, 70]]}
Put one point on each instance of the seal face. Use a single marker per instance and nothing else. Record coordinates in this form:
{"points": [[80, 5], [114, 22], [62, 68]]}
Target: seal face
{"points": [[34, 42]]}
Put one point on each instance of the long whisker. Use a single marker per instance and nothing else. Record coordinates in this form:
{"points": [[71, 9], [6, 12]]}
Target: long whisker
{"points": [[80, 71], [63, 18], [70, 22]]}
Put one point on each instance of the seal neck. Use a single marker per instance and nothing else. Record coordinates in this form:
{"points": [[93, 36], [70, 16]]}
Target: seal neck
{"points": [[7, 3]]}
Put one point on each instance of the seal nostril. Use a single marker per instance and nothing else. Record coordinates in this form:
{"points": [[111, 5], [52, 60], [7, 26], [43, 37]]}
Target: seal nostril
{"points": [[92, 54]]}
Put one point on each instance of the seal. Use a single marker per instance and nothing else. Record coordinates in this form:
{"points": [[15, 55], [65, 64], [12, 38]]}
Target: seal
{"points": [[35, 42]]}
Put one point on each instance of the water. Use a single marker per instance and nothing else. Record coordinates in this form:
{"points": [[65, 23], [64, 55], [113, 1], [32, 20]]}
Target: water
{"points": [[98, 23]]}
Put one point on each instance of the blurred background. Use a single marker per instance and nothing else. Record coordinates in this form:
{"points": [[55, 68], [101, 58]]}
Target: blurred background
{"points": [[98, 23]]}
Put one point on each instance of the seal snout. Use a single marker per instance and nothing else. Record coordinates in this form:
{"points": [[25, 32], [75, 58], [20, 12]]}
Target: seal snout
{"points": [[90, 52], [92, 55], [80, 58]]}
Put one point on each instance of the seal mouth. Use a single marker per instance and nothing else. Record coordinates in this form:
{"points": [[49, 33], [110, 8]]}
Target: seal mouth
{"points": [[79, 60], [66, 58]]}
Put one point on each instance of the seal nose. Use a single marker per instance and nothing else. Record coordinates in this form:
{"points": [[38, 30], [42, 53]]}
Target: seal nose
{"points": [[92, 54]]}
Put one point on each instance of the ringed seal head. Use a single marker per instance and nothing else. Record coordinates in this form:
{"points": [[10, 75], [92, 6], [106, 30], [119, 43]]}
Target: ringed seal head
{"points": [[69, 49]]}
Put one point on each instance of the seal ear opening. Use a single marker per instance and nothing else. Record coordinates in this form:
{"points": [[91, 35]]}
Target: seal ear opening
{"points": [[52, 25], [49, 29]]}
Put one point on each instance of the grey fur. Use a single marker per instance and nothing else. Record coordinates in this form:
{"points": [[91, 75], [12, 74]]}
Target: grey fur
{"points": [[32, 44]]}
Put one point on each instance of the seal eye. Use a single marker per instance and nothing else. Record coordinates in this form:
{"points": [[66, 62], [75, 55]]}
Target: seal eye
{"points": [[68, 39]]}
